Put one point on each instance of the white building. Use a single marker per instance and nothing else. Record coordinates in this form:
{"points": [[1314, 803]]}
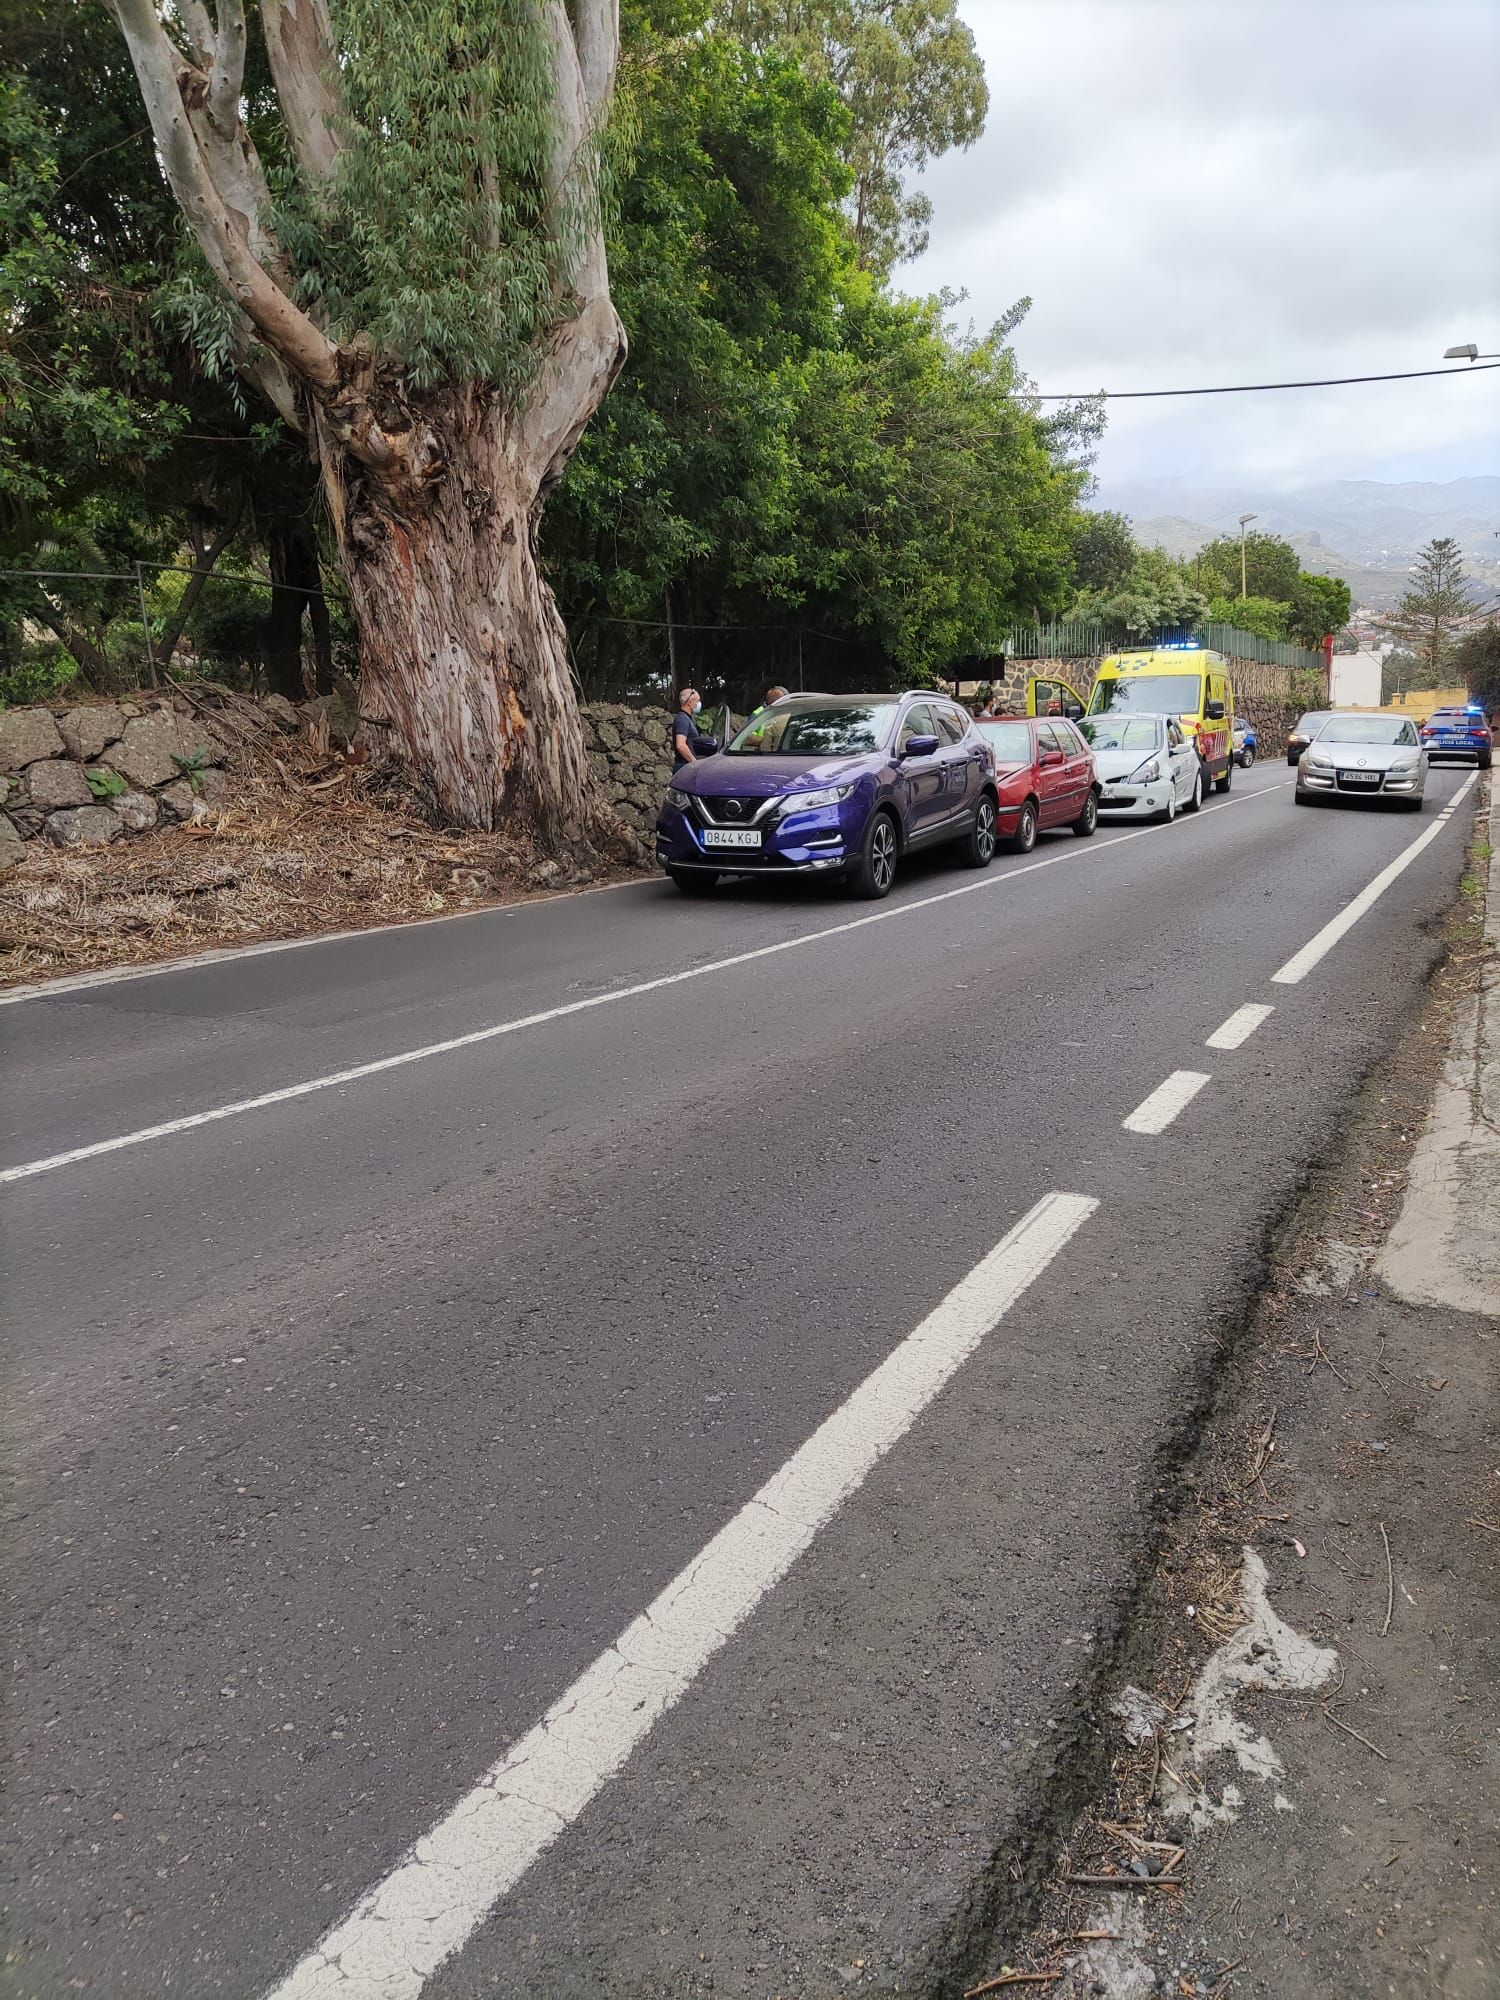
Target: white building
{"points": [[1355, 681]]}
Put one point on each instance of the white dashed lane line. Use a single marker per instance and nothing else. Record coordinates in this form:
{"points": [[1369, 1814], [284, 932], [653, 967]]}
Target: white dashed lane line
{"points": [[398, 1935], [1317, 948], [1155, 1113], [1240, 1026]]}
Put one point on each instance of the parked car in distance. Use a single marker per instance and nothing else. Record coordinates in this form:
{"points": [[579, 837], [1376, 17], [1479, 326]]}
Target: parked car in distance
{"points": [[1307, 727], [1044, 777], [1246, 742], [1459, 733], [1364, 757], [833, 784], [1148, 765]]}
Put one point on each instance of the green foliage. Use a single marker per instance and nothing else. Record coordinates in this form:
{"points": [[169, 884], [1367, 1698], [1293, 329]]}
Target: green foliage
{"points": [[32, 673], [1260, 615], [1103, 551], [193, 765], [1320, 605], [1438, 598], [1155, 594], [1271, 567], [1477, 659], [106, 784], [440, 241], [910, 77], [789, 449]]}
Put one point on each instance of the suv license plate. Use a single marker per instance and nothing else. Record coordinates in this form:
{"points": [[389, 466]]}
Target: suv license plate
{"points": [[731, 837], [1359, 777]]}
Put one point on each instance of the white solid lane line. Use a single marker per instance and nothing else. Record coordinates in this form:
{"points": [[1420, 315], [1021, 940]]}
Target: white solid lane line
{"points": [[398, 1935], [1240, 1026], [1156, 1112], [1317, 948], [190, 1121]]}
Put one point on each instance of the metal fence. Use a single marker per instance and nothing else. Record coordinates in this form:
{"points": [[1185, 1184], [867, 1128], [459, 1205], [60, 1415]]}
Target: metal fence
{"points": [[1067, 641]]}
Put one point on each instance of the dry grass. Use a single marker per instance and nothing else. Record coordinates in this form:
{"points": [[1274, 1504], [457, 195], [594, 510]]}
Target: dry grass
{"points": [[310, 841]]}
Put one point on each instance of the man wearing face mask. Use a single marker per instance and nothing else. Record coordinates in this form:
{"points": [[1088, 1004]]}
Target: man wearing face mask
{"points": [[688, 742]]}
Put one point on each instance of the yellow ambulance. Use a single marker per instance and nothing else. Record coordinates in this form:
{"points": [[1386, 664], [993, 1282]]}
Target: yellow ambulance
{"points": [[1190, 682]]}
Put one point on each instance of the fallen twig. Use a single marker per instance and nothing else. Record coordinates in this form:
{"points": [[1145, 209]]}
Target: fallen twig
{"points": [[1221, 1984], [1390, 1583], [1122, 1881], [1320, 1353], [1473, 1521], [1331, 1717], [1264, 1447], [1012, 1979]]}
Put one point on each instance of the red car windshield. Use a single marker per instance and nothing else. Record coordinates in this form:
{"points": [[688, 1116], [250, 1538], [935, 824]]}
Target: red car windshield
{"points": [[1010, 741]]}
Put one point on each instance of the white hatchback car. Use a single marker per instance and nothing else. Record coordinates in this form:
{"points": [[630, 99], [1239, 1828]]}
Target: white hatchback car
{"points": [[1148, 765]]}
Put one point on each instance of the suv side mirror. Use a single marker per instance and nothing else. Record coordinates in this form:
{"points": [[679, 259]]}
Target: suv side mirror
{"points": [[919, 746], [1215, 711]]}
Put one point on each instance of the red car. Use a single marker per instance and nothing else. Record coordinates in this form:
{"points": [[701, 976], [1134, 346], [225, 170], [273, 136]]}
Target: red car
{"points": [[1045, 776]]}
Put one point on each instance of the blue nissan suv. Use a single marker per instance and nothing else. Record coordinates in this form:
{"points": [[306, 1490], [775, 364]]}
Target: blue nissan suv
{"points": [[832, 784]]}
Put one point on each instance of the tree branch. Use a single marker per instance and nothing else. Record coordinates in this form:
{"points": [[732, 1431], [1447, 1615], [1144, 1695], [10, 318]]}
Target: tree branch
{"points": [[299, 43], [227, 77], [284, 327], [93, 663], [203, 563], [597, 34], [198, 28]]}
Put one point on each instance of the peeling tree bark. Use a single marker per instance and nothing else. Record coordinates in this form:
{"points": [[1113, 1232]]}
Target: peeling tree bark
{"points": [[435, 498]]}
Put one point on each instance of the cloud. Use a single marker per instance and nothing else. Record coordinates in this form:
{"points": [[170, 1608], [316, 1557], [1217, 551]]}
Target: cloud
{"points": [[1201, 191]]}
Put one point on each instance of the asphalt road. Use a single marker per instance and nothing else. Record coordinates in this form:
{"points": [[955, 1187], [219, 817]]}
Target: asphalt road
{"points": [[346, 1432]]}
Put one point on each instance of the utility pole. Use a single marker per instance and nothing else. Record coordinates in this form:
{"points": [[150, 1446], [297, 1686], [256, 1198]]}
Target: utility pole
{"points": [[1243, 519]]}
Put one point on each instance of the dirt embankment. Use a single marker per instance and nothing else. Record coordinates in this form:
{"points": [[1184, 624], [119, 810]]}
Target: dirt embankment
{"points": [[308, 839]]}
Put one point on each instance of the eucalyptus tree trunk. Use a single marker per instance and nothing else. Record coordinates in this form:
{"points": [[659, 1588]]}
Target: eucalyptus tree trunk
{"points": [[435, 487]]}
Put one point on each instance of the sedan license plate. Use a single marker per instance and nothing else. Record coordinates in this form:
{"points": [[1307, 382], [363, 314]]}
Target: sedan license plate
{"points": [[1359, 777], [739, 836]]}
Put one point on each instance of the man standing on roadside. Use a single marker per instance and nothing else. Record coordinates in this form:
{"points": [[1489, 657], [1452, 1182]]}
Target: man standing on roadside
{"points": [[688, 742]]}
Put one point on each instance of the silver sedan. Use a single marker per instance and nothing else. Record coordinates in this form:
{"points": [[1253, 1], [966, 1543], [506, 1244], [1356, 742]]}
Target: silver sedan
{"points": [[1364, 757]]}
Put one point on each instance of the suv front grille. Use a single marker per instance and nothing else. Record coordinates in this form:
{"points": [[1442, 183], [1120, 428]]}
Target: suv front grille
{"points": [[732, 812]]}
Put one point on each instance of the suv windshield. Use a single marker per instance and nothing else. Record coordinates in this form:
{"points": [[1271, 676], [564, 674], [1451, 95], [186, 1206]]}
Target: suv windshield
{"points": [[817, 729], [1366, 729], [1154, 694], [1010, 741], [1138, 735]]}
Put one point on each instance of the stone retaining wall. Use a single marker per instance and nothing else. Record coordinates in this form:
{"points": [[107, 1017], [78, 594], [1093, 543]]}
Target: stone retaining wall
{"points": [[85, 776], [632, 759]]}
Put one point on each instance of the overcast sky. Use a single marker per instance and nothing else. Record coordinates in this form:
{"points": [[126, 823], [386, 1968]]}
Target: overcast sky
{"points": [[1199, 191]]}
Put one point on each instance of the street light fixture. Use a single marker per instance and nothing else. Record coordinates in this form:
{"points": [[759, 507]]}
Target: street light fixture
{"points": [[1243, 519], [1468, 353]]}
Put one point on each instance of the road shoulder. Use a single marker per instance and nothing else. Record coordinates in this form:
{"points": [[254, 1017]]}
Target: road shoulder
{"points": [[1305, 1785]]}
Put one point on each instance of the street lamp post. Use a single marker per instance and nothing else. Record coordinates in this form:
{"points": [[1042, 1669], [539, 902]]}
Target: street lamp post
{"points": [[1243, 519], [1470, 352]]}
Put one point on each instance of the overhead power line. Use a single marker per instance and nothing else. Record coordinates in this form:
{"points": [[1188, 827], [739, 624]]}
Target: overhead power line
{"points": [[1248, 388]]}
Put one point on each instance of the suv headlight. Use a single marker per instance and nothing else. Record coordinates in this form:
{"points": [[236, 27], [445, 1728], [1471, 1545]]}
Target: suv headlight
{"points": [[682, 800], [825, 795], [1147, 774]]}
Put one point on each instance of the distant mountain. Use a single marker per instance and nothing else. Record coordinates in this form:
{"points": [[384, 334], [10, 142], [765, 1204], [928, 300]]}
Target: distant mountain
{"points": [[1365, 530]]}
